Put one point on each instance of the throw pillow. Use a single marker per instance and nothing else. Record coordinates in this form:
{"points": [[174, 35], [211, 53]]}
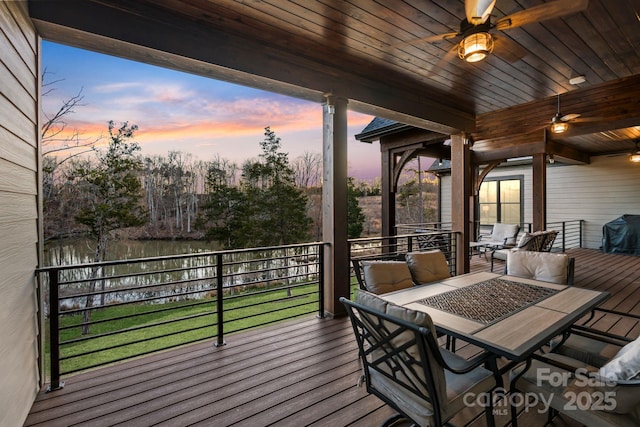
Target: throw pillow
{"points": [[428, 266], [381, 277], [625, 365]]}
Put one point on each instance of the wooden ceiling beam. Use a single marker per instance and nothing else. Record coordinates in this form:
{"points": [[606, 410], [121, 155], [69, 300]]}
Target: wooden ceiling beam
{"points": [[567, 154], [524, 145], [606, 106]]}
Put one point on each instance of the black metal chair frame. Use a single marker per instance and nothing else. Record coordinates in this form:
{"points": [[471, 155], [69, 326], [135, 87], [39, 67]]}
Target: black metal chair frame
{"points": [[586, 331], [539, 243], [375, 338]]}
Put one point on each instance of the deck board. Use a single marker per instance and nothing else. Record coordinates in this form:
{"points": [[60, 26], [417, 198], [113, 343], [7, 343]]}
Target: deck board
{"points": [[302, 372]]}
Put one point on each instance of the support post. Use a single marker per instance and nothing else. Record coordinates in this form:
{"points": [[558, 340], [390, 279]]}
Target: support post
{"points": [[539, 191], [461, 199], [334, 204]]}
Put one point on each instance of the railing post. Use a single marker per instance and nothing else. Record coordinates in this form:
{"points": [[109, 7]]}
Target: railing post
{"points": [[219, 301], [564, 235], [580, 223], [54, 330], [321, 279]]}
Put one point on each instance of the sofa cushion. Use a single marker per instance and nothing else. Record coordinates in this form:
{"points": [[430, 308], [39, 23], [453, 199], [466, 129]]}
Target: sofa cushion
{"points": [[428, 266], [381, 277]]}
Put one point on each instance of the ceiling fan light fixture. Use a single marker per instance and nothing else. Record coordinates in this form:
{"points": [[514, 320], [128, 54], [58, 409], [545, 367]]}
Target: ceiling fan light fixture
{"points": [[634, 157], [475, 47], [557, 125]]}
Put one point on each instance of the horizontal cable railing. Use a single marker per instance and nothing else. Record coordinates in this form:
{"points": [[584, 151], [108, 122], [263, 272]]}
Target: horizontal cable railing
{"points": [[424, 227], [101, 313], [569, 234]]}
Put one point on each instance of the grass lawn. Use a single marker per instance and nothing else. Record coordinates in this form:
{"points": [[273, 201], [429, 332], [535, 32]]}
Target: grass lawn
{"points": [[115, 335]]}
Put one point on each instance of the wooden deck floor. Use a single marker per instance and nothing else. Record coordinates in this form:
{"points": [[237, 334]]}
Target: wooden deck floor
{"points": [[294, 374]]}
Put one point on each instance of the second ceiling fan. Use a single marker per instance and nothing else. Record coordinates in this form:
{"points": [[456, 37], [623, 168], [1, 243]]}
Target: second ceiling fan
{"points": [[476, 27]]}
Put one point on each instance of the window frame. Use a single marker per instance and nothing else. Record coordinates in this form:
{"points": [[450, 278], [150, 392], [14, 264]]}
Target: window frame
{"points": [[498, 202]]}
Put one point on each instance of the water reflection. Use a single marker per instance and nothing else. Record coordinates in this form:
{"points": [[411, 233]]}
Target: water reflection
{"points": [[80, 251]]}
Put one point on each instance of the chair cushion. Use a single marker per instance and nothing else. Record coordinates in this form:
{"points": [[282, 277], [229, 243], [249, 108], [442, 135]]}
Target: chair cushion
{"points": [[543, 266], [505, 231], [591, 351], [428, 266], [524, 240], [625, 365], [502, 254], [381, 277], [419, 318], [579, 400], [451, 388], [412, 316]]}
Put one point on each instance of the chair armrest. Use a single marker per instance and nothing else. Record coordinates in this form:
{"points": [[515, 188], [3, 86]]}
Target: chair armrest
{"points": [[459, 365]]}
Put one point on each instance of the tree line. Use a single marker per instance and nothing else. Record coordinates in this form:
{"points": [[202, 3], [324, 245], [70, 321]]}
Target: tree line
{"points": [[263, 202]]}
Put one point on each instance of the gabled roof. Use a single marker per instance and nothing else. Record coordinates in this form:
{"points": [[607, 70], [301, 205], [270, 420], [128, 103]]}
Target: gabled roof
{"points": [[379, 127]]}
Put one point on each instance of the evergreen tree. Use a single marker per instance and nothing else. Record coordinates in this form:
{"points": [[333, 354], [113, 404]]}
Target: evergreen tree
{"points": [[355, 216], [111, 193], [223, 208], [274, 206], [266, 209]]}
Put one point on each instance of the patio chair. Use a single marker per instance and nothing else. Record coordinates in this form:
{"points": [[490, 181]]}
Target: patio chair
{"points": [[404, 366], [382, 274], [502, 236], [427, 242], [540, 241], [601, 394], [544, 266]]}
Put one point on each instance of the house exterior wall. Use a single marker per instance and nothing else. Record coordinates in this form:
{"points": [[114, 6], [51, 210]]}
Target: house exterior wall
{"points": [[19, 93], [596, 193]]}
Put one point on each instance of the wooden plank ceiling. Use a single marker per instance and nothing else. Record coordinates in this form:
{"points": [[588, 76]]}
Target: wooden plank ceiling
{"points": [[371, 52]]}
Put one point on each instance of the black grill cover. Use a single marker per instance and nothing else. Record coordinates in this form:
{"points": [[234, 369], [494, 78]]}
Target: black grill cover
{"points": [[622, 235]]}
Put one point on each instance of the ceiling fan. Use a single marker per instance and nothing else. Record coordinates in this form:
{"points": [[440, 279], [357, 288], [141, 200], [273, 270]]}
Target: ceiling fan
{"points": [[559, 122], [475, 30]]}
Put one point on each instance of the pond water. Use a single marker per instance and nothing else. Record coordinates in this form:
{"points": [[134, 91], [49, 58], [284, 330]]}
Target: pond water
{"points": [[79, 251]]}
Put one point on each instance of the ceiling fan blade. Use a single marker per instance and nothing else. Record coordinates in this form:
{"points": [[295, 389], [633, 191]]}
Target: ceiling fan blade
{"points": [[568, 117], [542, 12], [507, 49], [588, 119], [478, 11], [429, 39]]}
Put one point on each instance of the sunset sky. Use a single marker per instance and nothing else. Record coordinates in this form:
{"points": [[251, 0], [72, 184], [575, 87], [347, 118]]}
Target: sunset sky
{"points": [[188, 113]]}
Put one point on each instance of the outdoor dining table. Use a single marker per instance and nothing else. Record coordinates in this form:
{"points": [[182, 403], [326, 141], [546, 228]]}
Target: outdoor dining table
{"points": [[509, 316]]}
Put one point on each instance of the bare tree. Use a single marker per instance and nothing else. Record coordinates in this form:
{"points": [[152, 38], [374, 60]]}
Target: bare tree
{"points": [[58, 146], [307, 169], [55, 137]]}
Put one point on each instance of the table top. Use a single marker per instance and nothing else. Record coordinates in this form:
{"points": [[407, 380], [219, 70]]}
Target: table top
{"points": [[510, 316]]}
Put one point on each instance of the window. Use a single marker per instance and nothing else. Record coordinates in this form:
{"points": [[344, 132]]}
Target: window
{"points": [[500, 200]]}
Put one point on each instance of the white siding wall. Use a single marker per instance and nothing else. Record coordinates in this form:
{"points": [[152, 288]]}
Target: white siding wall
{"points": [[597, 193], [18, 212]]}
